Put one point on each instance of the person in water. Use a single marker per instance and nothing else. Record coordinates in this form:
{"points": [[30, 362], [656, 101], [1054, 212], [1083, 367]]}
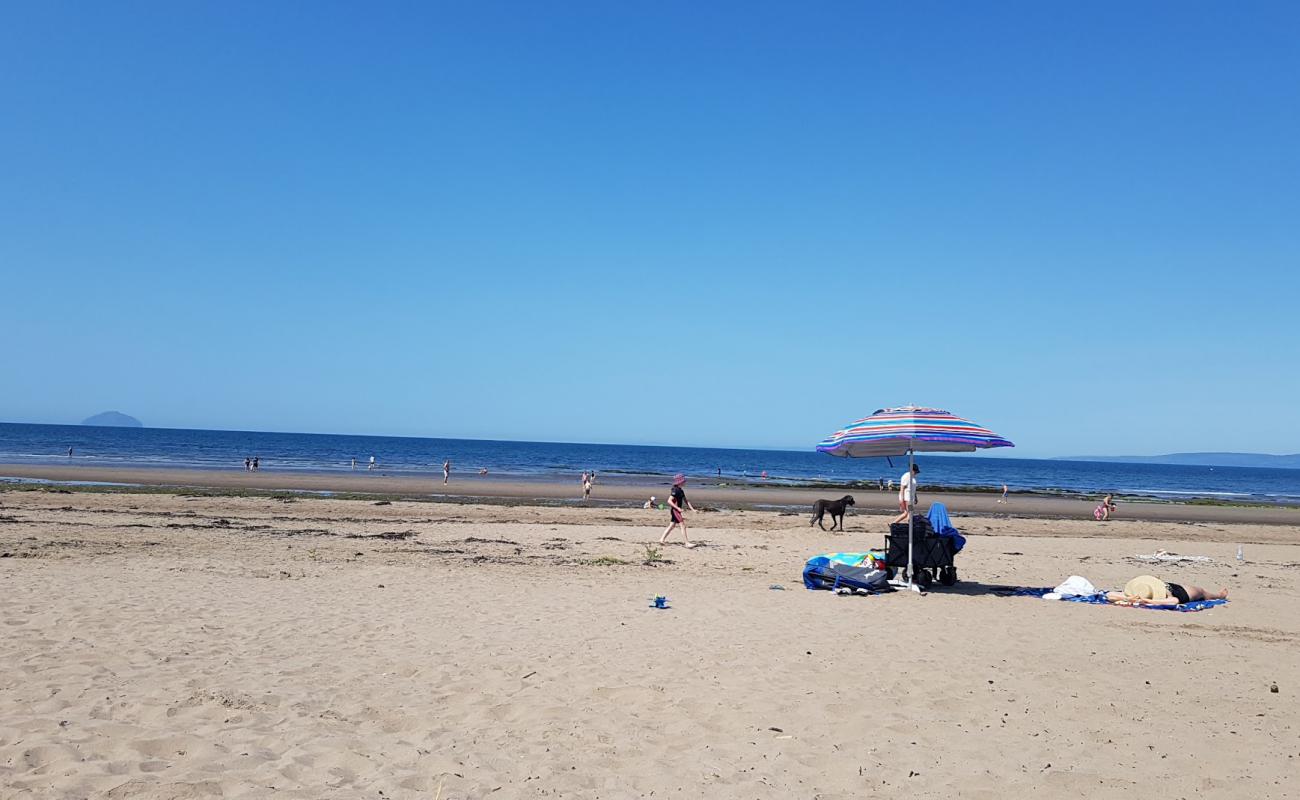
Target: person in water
{"points": [[1148, 590]]}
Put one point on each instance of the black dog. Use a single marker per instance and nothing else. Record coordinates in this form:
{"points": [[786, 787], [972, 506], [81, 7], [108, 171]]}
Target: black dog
{"points": [[833, 507]]}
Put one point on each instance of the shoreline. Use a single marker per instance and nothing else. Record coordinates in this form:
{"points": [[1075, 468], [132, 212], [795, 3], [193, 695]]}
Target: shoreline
{"points": [[624, 493]]}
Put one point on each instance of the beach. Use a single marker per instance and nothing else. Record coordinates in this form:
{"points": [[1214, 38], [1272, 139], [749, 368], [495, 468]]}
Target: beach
{"points": [[361, 355], [169, 645], [623, 491]]}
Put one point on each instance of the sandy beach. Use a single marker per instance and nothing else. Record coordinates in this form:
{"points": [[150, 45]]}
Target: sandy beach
{"points": [[357, 351], [171, 646]]}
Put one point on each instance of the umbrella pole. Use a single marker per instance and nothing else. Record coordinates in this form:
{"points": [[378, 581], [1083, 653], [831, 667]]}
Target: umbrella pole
{"points": [[911, 514]]}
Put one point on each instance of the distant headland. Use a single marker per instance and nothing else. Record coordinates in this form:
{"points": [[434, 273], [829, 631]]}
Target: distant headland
{"points": [[1205, 460], [113, 419]]}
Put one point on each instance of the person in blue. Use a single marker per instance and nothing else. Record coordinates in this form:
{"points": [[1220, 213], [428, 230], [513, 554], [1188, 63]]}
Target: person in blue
{"points": [[677, 505]]}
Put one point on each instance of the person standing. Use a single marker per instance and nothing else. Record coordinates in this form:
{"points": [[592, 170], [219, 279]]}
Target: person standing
{"points": [[69, 452], [248, 465], [677, 505], [1004, 494], [371, 465], [257, 463], [446, 471], [907, 494], [586, 486], [354, 463]]}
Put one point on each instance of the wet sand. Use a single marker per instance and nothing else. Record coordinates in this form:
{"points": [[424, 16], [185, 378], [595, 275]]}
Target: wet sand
{"points": [[171, 646], [625, 492]]}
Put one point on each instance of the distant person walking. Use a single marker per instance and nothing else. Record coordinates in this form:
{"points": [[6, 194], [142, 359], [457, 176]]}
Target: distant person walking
{"points": [[371, 465], [257, 463], [248, 465], [354, 463], [446, 472], [69, 452], [677, 505], [586, 486], [1003, 499], [907, 494]]}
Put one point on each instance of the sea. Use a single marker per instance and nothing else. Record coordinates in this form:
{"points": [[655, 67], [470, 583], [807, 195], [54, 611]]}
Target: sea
{"points": [[561, 461]]}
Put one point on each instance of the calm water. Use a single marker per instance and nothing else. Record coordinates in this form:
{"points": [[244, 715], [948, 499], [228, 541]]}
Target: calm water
{"points": [[162, 447]]}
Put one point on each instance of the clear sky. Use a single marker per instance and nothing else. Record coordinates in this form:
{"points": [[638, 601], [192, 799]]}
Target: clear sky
{"points": [[720, 224]]}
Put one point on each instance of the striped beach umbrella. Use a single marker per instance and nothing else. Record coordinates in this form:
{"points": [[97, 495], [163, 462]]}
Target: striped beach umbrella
{"points": [[897, 431], [909, 430]]}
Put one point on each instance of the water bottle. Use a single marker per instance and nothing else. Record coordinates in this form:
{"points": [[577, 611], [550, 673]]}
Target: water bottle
{"points": [[1241, 555]]}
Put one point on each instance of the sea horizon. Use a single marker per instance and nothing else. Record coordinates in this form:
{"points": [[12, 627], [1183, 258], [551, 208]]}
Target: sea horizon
{"points": [[1097, 458]]}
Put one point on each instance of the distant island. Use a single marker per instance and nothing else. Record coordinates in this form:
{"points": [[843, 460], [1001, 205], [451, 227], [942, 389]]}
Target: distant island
{"points": [[113, 419], [1204, 460]]}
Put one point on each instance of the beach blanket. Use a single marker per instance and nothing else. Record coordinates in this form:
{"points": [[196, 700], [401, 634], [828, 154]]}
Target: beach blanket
{"points": [[1099, 599], [943, 526], [847, 570]]}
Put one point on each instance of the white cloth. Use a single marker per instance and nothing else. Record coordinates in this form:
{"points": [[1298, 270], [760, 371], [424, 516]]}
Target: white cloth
{"points": [[907, 488], [1075, 586], [1162, 556]]}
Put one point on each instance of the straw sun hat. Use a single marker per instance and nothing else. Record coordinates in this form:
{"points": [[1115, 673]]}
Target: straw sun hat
{"points": [[1148, 587]]}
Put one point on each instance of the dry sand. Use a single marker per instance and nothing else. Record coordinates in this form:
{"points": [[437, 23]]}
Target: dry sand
{"points": [[163, 646]]}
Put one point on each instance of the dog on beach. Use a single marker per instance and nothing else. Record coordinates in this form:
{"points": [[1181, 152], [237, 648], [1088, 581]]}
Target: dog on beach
{"points": [[833, 507]]}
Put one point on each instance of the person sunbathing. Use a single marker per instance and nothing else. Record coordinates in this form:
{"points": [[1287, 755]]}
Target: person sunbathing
{"points": [[1147, 590]]}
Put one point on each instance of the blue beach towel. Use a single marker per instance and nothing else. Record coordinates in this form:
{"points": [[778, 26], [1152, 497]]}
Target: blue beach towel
{"points": [[942, 526], [1099, 599]]}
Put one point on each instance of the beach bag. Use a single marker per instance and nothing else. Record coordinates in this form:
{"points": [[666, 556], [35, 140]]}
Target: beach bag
{"points": [[846, 570]]}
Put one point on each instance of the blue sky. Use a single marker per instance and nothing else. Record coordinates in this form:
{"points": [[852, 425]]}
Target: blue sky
{"points": [[730, 224]]}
